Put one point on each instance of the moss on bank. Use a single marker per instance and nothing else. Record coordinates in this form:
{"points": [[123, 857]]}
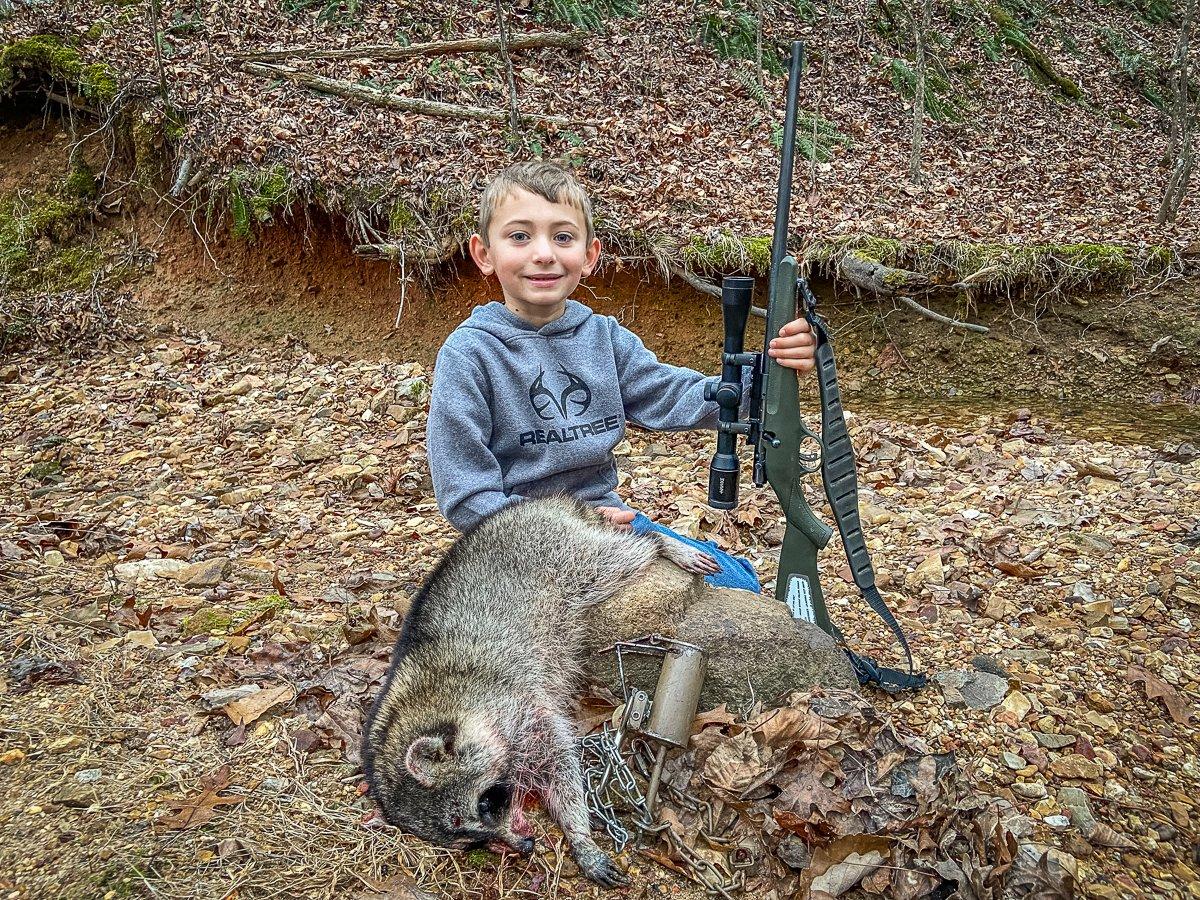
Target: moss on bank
{"points": [[50, 56], [34, 228], [1040, 66], [256, 197], [982, 267]]}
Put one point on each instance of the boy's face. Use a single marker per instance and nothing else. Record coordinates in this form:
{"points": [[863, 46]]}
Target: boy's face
{"points": [[539, 250]]}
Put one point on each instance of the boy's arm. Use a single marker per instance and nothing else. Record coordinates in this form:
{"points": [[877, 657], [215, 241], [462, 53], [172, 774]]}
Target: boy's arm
{"points": [[467, 481], [658, 395]]}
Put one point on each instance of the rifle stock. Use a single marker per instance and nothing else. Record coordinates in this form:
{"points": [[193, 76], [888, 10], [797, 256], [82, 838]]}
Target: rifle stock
{"points": [[783, 433]]}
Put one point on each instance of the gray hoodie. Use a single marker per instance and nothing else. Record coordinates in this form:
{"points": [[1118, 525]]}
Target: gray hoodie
{"points": [[520, 411]]}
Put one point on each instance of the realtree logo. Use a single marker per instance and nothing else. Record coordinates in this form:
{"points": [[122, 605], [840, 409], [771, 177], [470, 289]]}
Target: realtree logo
{"points": [[571, 400]]}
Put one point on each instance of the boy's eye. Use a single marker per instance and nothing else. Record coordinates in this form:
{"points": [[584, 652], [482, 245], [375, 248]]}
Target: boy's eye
{"points": [[519, 236], [564, 237]]}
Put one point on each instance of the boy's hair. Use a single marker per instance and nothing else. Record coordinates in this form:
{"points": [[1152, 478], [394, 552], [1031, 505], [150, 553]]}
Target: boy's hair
{"points": [[545, 179]]}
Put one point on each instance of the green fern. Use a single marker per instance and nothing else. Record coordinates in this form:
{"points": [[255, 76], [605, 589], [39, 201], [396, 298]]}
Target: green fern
{"points": [[733, 33], [817, 138], [589, 14], [329, 10], [1140, 66], [1156, 12], [940, 103]]}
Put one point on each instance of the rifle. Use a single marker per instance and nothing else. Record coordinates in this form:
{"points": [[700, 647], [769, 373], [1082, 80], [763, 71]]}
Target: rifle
{"points": [[785, 449]]}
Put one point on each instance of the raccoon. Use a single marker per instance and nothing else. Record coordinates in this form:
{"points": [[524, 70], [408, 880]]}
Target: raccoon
{"points": [[474, 718]]}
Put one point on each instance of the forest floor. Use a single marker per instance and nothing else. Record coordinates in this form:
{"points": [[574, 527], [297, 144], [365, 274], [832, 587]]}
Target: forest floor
{"points": [[185, 518]]}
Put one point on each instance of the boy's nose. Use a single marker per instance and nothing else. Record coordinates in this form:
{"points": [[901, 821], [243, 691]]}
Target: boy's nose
{"points": [[543, 250]]}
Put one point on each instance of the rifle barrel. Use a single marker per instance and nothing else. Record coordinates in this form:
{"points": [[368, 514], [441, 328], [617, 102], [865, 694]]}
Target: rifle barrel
{"points": [[784, 198]]}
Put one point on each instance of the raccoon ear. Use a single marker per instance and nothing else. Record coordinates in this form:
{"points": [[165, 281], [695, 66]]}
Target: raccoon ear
{"points": [[424, 756]]}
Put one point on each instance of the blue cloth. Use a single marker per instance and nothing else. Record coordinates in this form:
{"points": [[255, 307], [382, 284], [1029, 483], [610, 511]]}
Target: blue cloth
{"points": [[736, 572]]}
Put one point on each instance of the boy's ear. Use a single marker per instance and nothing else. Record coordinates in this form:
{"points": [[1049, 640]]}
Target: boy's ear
{"points": [[593, 257], [481, 255]]}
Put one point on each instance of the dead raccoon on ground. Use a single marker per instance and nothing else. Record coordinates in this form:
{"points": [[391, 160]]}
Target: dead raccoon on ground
{"points": [[474, 718]]}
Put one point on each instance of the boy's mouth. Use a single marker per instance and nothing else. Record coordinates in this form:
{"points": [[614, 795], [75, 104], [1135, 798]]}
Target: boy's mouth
{"points": [[544, 280]]}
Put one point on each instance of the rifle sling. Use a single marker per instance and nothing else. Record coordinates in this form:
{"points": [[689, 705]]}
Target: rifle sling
{"points": [[838, 472]]}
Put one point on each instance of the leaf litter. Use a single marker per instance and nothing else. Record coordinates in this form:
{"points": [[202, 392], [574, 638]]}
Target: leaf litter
{"points": [[210, 592]]}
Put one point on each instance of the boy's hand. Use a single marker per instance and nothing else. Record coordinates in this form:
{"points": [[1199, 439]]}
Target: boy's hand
{"points": [[796, 347], [618, 518]]}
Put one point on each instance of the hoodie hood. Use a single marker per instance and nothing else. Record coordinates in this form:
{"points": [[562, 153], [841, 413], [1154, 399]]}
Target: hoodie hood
{"points": [[497, 320]]}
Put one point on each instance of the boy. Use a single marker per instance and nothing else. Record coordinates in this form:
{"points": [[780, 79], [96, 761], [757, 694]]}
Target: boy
{"points": [[531, 395]]}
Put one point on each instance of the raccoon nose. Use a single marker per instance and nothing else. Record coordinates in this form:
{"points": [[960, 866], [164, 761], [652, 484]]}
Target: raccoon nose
{"points": [[525, 846]]}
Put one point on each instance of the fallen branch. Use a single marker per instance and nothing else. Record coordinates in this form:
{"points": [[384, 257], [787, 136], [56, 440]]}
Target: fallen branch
{"points": [[398, 253], [376, 97], [706, 287], [978, 275], [182, 179], [71, 103], [938, 317], [874, 277], [571, 39]]}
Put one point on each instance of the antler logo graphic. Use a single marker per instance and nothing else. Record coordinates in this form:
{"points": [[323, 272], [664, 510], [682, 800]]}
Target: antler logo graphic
{"points": [[573, 400]]}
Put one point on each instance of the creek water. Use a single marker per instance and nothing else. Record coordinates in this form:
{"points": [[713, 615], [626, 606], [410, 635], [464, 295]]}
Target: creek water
{"points": [[1127, 423]]}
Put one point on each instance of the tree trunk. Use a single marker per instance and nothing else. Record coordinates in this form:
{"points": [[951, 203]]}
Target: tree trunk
{"points": [[514, 123], [920, 26], [1180, 150]]}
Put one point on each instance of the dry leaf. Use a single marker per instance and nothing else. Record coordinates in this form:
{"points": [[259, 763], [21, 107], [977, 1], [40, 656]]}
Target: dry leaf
{"points": [[1107, 836], [1157, 689], [246, 710], [783, 727], [735, 764], [196, 811], [718, 716]]}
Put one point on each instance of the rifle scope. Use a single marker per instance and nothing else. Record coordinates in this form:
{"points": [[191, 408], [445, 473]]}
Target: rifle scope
{"points": [[723, 471]]}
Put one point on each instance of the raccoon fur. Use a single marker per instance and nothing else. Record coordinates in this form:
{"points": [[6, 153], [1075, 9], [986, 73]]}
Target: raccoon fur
{"points": [[474, 717]]}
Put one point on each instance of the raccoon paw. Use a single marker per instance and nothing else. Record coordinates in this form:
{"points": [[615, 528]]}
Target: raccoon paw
{"points": [[689, 558], [599, 867]]}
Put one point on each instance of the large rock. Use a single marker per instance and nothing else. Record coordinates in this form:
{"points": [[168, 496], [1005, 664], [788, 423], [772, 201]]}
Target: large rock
{"points": [[752, 645]]}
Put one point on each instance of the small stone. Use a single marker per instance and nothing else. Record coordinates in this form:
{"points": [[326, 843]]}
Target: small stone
{"points": [[208, 573], [1013, 760], [1053, 741], [794, 853], [11, 757], [53, 559], [1075, 802], [143, 569], [1017, 704], [88, 776], [1030, 790], [978, 690], [930, 571], [213, 700], [1076, 766], [1058, 823], [1083, 593]]}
